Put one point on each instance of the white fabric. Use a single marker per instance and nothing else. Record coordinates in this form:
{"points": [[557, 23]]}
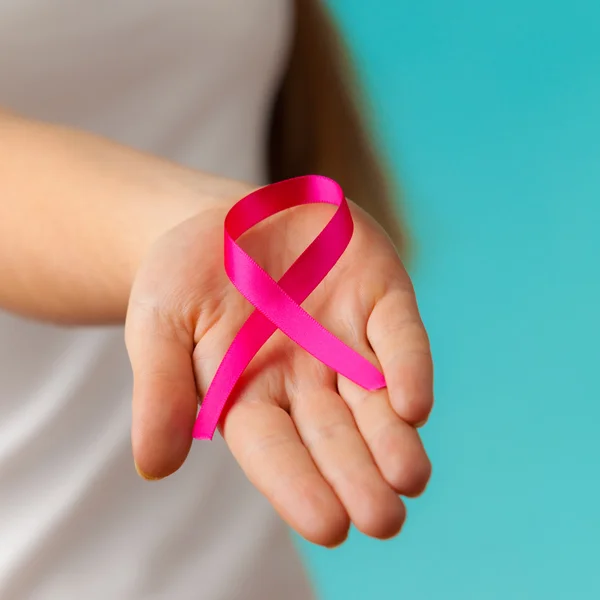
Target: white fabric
{"points": [[191, 80]]}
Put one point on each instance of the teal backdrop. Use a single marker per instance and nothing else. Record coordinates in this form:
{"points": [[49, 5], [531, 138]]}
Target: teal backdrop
{"points": [[490, 112]]}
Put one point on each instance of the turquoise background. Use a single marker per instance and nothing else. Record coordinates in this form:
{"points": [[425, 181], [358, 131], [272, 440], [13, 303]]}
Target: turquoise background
{"points": [[491, 114]]}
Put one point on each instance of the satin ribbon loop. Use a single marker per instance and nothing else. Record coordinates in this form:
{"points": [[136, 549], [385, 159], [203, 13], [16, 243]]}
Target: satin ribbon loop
{"points": [[277, 303]]}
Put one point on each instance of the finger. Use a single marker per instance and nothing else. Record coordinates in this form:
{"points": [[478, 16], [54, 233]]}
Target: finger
{"points": [[164, 393], [263, 439], [397, 336], [328, 430], [394, 444]]}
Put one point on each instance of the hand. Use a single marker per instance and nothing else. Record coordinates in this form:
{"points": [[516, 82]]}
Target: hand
{"points": [[323, 450]]}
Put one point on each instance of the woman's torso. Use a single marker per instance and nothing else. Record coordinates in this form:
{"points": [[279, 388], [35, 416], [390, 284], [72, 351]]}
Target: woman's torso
{"points": [[191, 80]]}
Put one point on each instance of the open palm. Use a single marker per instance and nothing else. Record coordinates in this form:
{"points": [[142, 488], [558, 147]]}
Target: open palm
{"points": [[323, 450]]}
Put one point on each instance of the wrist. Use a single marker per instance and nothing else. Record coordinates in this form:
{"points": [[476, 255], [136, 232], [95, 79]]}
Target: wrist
{"points": [[183, 195]]}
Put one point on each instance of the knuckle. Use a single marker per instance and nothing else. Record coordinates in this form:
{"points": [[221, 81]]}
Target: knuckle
{"points": [[325, 433], [264, 446]]}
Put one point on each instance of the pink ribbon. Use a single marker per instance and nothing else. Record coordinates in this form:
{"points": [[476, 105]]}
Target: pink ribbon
{"points": [[277, 303]]}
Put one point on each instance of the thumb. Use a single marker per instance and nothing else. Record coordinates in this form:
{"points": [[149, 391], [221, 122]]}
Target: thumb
{"points": [[164, 391]]}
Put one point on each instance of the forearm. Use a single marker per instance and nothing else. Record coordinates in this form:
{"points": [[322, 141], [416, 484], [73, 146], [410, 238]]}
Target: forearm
{"points": [[77, 214]]}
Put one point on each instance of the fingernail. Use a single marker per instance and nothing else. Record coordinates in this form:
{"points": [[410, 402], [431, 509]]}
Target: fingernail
{"points": [[145, 475]]}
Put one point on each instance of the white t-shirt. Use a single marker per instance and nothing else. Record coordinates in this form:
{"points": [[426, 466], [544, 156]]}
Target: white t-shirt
{"points": [[191, 80]]}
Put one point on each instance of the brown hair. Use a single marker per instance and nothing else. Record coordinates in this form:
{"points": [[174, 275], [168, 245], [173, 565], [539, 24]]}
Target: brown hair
{"points": [[317, 125]]}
